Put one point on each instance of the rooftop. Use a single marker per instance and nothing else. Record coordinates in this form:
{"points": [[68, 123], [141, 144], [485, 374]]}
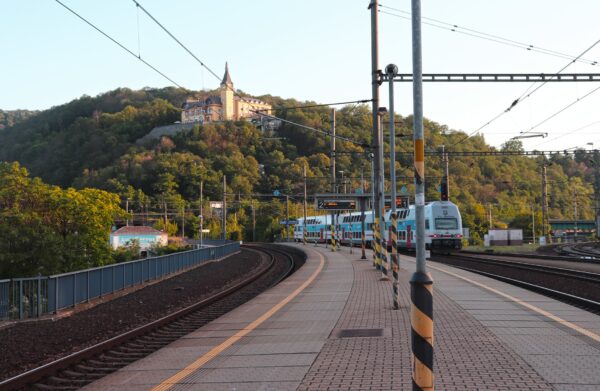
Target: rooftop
{"points": [[137, 230]]}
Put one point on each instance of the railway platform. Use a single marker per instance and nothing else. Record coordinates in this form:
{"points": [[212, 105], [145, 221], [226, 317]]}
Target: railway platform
{"points": [[331, 326]]}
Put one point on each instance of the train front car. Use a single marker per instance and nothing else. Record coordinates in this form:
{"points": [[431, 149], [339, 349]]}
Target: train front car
{"points": [[443, 227]]}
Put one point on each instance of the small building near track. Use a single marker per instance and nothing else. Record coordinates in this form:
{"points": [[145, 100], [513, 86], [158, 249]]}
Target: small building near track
{"points": [[145, 236]]}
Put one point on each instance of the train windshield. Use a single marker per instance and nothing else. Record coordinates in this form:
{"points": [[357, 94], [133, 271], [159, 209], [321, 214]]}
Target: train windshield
{"points": [[446, 223]]}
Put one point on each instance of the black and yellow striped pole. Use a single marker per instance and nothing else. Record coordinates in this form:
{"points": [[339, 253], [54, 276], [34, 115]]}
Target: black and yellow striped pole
{"points": [[333, 244], [395, 262], [385, 266], [377, 249], [421, 284], [421, 322]]}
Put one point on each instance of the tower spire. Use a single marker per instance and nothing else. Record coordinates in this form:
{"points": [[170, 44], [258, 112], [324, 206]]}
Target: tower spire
{"points": [[226, 77]]}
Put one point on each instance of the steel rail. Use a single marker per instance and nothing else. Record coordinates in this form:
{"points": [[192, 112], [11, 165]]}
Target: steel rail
{"points": [[34, 375], [592, 305], [558, 271]]}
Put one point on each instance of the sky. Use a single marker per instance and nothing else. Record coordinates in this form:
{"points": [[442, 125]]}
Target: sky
{"points": [[317, 50]]}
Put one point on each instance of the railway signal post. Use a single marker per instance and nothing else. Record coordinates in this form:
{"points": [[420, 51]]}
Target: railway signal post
{"points": [[421, 284]]}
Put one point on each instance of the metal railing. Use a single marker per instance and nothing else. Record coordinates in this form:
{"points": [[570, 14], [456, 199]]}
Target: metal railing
{"points": [[22, 298]]}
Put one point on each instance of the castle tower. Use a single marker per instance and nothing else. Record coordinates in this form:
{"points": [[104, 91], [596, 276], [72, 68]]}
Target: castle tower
{"points": [[227, 96]]}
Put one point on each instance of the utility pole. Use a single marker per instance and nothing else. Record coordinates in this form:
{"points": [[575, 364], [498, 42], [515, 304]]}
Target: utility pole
{"points": [[445, 193], [575, 214], [253, 222], [421, 284], [333, 181], [127, 211], [304, 209], [533, 221], [224, 207], [545, 202], [375, 134], [183, 222], [287, 218], [392, 70], [201, 214]]}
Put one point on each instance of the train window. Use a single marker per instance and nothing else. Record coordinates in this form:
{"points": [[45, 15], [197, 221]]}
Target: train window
{"points": [[446, 223], [427, 224]]}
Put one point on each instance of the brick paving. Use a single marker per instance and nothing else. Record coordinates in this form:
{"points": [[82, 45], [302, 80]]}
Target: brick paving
{"points": [[482, 341], [467, 355]]}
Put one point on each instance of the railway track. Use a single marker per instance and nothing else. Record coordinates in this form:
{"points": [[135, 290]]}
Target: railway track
{"points": [[576, 287], [85, 366], [587, 251]]}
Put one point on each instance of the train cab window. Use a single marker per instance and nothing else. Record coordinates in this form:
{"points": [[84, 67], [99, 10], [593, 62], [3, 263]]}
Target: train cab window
{"points": [[446, 223], [427, 224]]}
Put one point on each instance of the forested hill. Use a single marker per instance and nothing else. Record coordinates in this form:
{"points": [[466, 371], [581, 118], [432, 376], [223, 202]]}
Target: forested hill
{"points": [[90, 142], [10, 117]]}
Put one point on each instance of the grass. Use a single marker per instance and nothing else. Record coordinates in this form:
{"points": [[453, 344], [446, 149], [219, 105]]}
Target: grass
{"points": [[525, 248]]}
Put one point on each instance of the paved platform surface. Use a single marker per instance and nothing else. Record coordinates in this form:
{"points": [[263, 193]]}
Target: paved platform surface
{"points": [[488, 336]]}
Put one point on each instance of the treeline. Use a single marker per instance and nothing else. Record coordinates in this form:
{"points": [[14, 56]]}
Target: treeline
{"points": [[90, 142], [47, 230], [10, 117]]}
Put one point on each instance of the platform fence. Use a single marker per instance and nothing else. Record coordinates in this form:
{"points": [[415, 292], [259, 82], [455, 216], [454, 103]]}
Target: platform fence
{"points": [[22, 298]]}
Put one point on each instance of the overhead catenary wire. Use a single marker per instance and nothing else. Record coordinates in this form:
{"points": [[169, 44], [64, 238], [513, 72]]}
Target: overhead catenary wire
{"points": [[486, 36], [527, 94], [191, 53], [118, 43], [319, 105], [324, 132]]}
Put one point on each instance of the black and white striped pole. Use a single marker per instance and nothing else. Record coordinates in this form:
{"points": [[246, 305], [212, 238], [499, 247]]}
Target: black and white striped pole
{"points": [[392, 70], [421, 284]]}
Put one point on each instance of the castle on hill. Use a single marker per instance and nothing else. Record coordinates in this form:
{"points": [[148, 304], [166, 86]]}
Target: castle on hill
{"points": [[223, 107]]}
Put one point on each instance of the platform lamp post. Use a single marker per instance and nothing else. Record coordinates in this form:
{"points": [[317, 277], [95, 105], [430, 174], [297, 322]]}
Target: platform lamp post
{"points": [[392, 70], [421, 284]]}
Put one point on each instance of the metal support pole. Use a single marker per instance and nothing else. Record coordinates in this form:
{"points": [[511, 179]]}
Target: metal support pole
{"points": [[304, 210], [287, 218], [375, 134], [373, 216], [224, 208], [183, 223], [392, 70], [333, 180], [545, 203], [253, 221], [385, 266], [201, 214], [421, 283], [533, 222], [363, 200]]}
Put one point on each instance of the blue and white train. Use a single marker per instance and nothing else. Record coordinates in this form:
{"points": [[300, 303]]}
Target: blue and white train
{"points": [[443, 227]]}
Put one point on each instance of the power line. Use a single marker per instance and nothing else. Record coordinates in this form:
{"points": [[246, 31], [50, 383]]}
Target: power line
{"points": [[526, 94], [137, 4], [485, 36], [561, 110], [118, 43], [319, 105], [324, 132]]}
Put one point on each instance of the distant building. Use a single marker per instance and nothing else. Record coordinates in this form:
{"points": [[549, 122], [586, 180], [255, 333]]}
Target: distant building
{"points": [[145, 236], [223, 107]]}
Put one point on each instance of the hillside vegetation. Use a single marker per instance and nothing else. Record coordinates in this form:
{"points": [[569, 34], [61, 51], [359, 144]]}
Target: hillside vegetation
{"points": [[90, 142]]}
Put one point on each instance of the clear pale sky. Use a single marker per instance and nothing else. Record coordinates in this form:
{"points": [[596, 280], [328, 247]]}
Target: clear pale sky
{"points": [[312, 50]]}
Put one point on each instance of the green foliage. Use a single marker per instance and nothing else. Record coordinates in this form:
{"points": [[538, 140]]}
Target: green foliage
{"points": [[127, 253], [47, 230], [90, 142], [170, 227]]}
